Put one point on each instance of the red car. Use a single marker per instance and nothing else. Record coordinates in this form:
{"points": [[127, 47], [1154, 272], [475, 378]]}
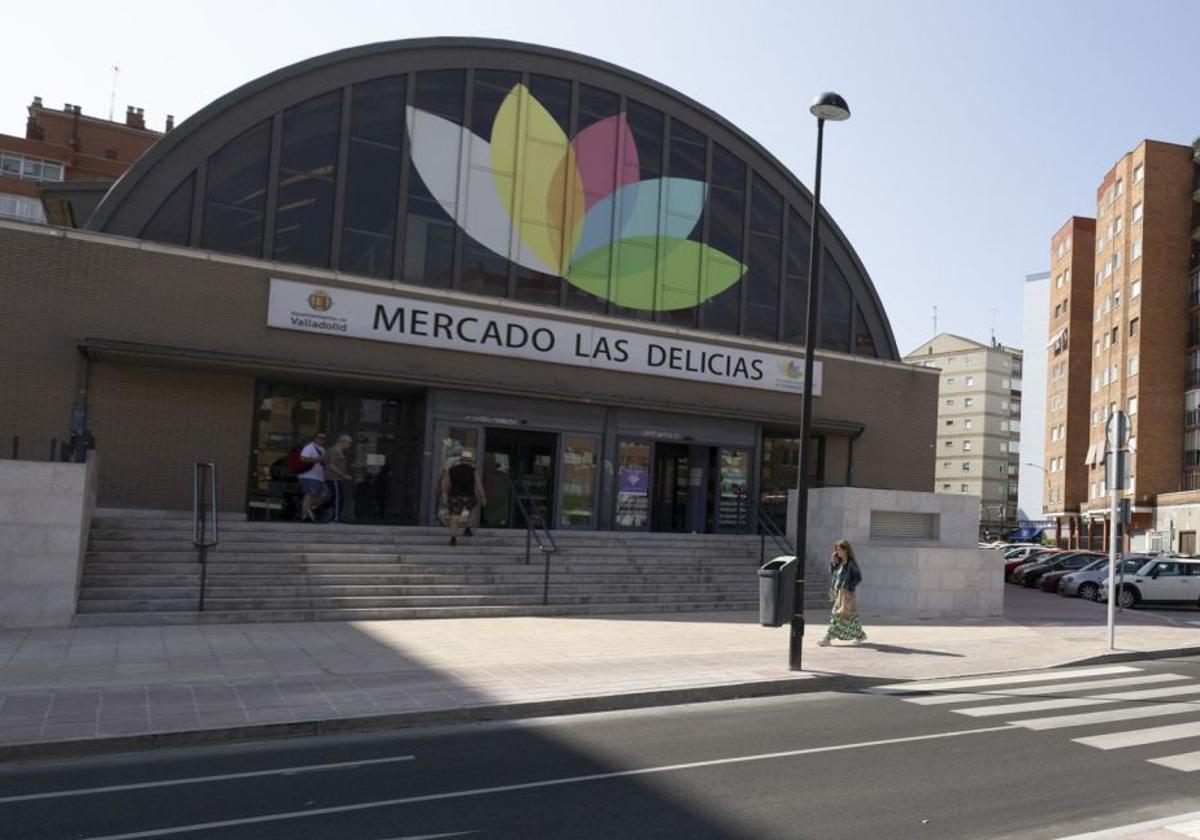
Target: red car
{"points": [[1049, 581], [1012, 565]]}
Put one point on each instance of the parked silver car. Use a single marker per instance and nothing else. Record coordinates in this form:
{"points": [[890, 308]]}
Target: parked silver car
{"points": [[1163, 579], [1086, 582]]}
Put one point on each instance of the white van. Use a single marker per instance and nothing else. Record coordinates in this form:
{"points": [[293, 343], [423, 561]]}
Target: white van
{"points": [[1160, 580]]}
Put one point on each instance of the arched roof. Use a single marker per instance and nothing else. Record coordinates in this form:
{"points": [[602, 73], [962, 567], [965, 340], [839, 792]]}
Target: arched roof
{"points": [[132, 202]]}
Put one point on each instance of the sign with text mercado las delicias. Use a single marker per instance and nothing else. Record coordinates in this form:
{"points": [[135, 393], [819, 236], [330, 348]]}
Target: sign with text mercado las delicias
{"points": [[426, 323]]}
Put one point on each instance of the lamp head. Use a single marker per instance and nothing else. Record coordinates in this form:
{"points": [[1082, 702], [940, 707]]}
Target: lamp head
{"points": [[830, 106]]}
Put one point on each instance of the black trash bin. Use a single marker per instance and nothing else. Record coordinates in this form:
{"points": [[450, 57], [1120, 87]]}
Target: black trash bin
{"points": [[777, 591]]}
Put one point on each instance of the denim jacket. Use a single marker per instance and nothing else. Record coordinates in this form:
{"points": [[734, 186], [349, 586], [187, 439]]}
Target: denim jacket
{"points": [[846, 575]]}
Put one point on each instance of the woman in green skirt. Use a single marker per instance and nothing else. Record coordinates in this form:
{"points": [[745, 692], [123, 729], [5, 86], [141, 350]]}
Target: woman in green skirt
{"points": [[845, 576]]}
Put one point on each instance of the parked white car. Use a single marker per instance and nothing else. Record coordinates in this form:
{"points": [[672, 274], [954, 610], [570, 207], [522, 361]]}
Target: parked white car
{"points": [[1160, 580], [1017, 552], [1087, 581]]}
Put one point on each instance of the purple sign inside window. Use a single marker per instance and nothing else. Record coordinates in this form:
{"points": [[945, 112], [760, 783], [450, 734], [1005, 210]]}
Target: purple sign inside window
{"points": [[634, 480]]}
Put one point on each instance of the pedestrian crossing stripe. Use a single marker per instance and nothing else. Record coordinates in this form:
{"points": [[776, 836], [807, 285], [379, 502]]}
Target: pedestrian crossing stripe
{"points": [[1034, 692], [1187, 762], [1140, 737], [1009, 679], [1040, 690], [1109, 716], [1099, 699]]}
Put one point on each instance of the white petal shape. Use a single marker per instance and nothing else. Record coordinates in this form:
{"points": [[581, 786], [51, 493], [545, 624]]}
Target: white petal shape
{"points": [[464, 184]]}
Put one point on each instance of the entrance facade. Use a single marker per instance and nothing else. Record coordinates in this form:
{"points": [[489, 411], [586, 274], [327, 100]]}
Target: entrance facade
{"points": [[581, 466], [385, 458]]}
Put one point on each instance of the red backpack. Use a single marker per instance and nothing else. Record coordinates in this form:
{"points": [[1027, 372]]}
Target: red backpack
{"points": [[295, 462]]}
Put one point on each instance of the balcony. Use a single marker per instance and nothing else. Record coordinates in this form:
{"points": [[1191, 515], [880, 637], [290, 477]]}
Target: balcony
{"points": [[1191, 418], [1192, 379]]}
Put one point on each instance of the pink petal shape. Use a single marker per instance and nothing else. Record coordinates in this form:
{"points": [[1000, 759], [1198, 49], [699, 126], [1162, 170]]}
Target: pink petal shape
{"points": [[607, 157]]}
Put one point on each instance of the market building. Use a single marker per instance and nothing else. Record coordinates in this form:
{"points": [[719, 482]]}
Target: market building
{"points": [[595, 283]]}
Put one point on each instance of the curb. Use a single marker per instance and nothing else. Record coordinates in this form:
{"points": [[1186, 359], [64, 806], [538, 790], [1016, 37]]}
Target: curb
{"points": [[406, 720], [1132, 655]]}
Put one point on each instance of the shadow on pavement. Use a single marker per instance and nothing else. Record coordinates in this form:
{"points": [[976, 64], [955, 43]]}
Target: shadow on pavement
{"points": [[908, 651]]}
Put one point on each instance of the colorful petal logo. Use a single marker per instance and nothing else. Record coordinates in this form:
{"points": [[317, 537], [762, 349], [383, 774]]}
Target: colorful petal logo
{"points": [[573, 208]]}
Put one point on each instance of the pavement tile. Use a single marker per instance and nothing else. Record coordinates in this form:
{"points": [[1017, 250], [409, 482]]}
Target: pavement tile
{"points": [[28, 734], [25, 707], [174, 723], [223, 719], [277, 715], [117, 728], [260, 696], [67, 731]]}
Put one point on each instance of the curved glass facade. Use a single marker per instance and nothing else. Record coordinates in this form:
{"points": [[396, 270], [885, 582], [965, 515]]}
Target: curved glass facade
{"points": [[517, 185]]}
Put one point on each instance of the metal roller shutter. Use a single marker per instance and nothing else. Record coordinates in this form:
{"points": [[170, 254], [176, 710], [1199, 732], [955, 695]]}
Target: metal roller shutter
{"points": [[898, 525]]}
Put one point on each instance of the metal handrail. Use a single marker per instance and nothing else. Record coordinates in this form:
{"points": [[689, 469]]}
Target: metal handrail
{"points": [[768, 528], [535, 529], [204, 475]]}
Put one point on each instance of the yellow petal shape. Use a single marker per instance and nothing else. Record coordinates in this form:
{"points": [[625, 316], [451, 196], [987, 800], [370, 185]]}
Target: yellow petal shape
{"points": [[546, 196]]}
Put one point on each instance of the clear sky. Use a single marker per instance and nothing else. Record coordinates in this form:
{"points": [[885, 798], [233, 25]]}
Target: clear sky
{"points": [[978, 127]]}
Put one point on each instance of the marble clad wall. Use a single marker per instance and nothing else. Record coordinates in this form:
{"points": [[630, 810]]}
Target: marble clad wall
{"points": [[45, 513], [944, 577]]}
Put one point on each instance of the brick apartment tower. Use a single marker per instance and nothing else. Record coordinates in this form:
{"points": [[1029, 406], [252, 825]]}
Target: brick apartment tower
{"points": [[1137, 338], [1069, 368], [66, 145]]}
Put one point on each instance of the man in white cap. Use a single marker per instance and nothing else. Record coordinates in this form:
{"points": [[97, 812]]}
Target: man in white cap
{"points": [[462, 489]]}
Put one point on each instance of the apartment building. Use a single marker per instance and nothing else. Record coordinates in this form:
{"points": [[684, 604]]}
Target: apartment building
{"points": [[978, 424], [67, 146], [1069, 368], [1141, 357]]}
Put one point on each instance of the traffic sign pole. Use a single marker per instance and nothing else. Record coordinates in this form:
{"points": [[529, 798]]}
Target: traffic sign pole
{"points": [[1117, 434]]}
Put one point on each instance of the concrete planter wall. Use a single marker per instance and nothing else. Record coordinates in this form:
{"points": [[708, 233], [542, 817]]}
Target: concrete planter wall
{"points": [[45, 513], [939, 577]]}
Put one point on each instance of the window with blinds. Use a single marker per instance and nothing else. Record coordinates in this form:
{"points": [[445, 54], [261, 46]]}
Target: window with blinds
{"points": [[898, 525]]}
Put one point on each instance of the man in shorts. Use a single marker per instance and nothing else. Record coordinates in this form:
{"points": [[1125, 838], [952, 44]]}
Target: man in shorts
{"points": [[312, 480], [462, 490]]}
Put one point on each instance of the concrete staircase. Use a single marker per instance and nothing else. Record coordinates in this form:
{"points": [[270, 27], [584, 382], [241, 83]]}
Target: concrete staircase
{"points": [[145, 571]]}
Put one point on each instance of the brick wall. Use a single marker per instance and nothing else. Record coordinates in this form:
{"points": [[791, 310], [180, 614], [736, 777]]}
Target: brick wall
{"points": [[59, 289], [153, 423]]}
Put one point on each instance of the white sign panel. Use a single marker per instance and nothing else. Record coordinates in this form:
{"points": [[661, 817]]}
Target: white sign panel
{"points": [[423, 323]]}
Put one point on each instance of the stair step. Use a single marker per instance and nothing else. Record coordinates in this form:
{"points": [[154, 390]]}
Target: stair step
{"points": [[235, 617], [147, 571]]}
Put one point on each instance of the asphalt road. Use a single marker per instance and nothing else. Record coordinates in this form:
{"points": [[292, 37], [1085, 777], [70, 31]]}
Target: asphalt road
{"points": [[940, 761]]}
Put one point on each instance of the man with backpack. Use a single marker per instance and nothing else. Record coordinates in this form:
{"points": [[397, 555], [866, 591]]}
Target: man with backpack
{"points": [[312, 476]]}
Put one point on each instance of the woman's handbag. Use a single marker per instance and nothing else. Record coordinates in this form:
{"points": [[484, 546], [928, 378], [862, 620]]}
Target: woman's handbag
{"points": [[845, 605]]}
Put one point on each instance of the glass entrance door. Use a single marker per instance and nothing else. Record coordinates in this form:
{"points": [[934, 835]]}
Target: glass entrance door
{"points": [[633, 484], [518, 463], [733, 514], [452, 440], [580, 459], [670, 492]]}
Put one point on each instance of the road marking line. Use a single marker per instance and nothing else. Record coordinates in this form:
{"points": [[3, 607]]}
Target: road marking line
{"points": [[1187, 762], [1185, 821], [282, 771], [1138, 737], [569, 780], [1036, 690], [1010, 679], [1089, 718]]}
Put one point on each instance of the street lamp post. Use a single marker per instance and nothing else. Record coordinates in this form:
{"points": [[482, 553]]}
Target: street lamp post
{"points": [[827, 106]]}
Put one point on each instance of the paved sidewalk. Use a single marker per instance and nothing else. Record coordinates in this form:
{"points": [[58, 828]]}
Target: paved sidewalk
{"points": [[65, 690]]}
